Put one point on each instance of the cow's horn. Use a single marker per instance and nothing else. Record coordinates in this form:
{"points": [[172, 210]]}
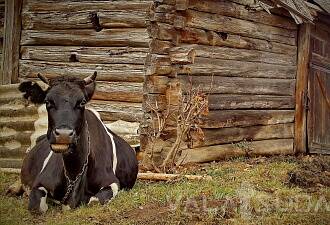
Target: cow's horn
{"points": [[90, 78], [44, 79]]}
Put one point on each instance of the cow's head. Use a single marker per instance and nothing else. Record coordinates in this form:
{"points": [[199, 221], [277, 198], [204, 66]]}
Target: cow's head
{"points": [[65, 99]]}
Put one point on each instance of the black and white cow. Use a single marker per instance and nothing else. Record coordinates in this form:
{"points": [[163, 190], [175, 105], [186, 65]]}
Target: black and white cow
{"points": [[79, 160]]}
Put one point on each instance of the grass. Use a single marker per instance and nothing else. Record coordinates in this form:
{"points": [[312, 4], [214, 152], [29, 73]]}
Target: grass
{"points": [[242, 191]]}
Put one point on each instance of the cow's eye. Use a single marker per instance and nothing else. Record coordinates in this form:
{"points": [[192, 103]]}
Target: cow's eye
{"points": [[49, 104], [81, 104]]}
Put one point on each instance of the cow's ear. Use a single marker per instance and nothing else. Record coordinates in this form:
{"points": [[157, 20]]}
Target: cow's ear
{"points": [[33, 92], [90, 84]]}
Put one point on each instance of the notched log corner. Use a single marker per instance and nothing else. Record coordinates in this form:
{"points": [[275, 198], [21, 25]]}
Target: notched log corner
{"points": [[95, 21]]}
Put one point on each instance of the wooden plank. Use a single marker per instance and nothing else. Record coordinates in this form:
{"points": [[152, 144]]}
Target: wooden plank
{"points": [[225, 101], [248, 55], [12, 33], [111, 111], [244, 118], [220, 152], [119, 91], [239, 85], [75, 6], [236, 134], [82, 19], [301, 88], [233, 68], [132, 37], [155, 84], [166, 32], [108, 55], [111, 72]]}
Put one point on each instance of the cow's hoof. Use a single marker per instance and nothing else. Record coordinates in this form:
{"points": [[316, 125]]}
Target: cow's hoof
{"points": [[93, 201], [66, 208]]}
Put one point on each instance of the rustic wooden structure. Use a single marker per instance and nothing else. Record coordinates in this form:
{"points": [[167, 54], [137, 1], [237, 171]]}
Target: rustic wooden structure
{"points": [[265, 69]]}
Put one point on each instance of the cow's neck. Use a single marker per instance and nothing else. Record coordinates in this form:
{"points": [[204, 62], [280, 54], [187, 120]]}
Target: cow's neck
{"points": [[75, 160]]}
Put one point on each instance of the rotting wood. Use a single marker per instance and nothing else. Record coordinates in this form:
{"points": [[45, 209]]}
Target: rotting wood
{"points": [[166, 32], [108, 55], [239, 85], [168, 177], [227, 101], [220, 152], [132, 37], [111, 110], [185, 52], [159, 47], [112, 72], [301, 88], [236, 134], [119, 91], [81, 19], [244, 118], [11, 38]]}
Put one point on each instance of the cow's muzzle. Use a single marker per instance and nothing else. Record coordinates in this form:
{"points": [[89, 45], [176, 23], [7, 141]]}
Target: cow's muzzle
{"points": [[63, 139]]}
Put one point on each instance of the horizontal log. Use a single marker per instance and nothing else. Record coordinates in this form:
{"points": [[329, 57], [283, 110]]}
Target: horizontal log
{"points": [[133, 37], [82, 19], [156, 102], [155, 84], [239, 85], [74, 6], [220, 152], [159, 47], [119, 91], [224, 101], [166, 32], [112, 72], [242, 27], [168, 177], [215, 52], [112, 111], [158, 65], [244, 118], [236, 134], [108, 55]]}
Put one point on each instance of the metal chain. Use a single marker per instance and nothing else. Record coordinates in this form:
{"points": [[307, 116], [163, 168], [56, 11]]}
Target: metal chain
{"points": [[72, 183]]}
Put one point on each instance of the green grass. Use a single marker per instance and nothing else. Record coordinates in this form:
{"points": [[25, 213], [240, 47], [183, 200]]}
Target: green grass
{"points": [[242, 191]]}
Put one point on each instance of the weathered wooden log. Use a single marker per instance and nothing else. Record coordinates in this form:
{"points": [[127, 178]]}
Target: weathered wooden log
{"points": [[184, 53], [108, 55], [167, 177], [155, 84], [166, 32], [75, 6], [159, 47], [153, 102], [112, 111], [244, 118], [220, 152], [119, 91], [236, 134], [231, 9], [82, 19], [220, 23], [133, 37], [224, 101], [239, 85], [157, 65], [113, 72]]}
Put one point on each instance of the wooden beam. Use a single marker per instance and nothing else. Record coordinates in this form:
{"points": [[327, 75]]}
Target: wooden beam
{"points": [[12, 34], [301, 88]]}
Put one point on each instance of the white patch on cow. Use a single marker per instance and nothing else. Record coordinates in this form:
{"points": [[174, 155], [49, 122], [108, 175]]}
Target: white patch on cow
{"points": [[114, 149], [43, 204], [96, 113], [93, 200], [46, 161], [115, 189]]}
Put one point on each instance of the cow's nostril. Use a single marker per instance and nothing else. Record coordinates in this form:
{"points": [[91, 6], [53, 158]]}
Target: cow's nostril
{"points": [[71, 133], [57, 132]]}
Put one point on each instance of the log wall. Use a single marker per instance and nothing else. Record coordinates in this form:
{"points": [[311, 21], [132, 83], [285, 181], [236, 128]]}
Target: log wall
{"points": [[79, 37], [244, 60]]}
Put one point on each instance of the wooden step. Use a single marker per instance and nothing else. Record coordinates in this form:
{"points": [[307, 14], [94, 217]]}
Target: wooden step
{"points": [[15, 110], [21, 137], [13, 153], [11, 162], [18, 123]]}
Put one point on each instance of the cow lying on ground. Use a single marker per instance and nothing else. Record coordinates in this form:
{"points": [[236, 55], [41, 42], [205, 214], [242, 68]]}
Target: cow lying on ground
{"points": [[79, 160]]}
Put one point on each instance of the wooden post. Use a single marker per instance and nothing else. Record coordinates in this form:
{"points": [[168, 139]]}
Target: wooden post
{"points": [[300, 140], [11, 40]]}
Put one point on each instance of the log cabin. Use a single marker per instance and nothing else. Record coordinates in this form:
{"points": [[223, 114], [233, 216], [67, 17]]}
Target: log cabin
{"points": [[264, 66]]}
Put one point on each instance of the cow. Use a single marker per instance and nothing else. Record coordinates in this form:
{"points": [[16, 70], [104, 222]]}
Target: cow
{"points": [[79, 160]]}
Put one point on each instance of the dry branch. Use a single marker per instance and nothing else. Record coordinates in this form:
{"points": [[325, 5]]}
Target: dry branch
{"points": [[166, 177]]}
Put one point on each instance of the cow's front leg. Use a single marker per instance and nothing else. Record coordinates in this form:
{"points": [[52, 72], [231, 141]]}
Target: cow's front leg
{"points": [[37, 200], [105, 194]]}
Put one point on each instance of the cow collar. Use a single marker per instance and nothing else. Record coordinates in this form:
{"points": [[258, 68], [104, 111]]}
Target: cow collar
{"points": [[72, 183]]}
